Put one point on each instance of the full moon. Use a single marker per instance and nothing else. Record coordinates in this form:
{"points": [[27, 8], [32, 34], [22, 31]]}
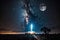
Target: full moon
{"points": [[42, 7]]}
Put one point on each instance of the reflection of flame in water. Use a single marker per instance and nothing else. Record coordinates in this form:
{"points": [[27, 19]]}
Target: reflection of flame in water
{"points": [[36, 37]]}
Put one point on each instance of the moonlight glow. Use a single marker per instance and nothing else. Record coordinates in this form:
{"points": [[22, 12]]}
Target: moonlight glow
{"points": [[42, 7]]}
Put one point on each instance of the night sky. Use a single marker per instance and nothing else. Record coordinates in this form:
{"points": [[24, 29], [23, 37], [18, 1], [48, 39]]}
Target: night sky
{"points": [[12, 15]]}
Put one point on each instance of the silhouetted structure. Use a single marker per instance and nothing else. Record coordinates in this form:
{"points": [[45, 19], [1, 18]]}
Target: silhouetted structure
{"points": [[45, 30]]}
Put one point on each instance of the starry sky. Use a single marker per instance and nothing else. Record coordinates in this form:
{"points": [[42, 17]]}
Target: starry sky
{"points": [[12, 15]]}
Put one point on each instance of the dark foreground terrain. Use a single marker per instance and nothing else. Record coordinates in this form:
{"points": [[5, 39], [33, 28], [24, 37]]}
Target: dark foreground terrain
{"points": [[29, 37]]}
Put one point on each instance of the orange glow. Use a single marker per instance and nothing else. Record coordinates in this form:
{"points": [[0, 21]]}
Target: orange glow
{"points": [[10, 32], [31, 32]]}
